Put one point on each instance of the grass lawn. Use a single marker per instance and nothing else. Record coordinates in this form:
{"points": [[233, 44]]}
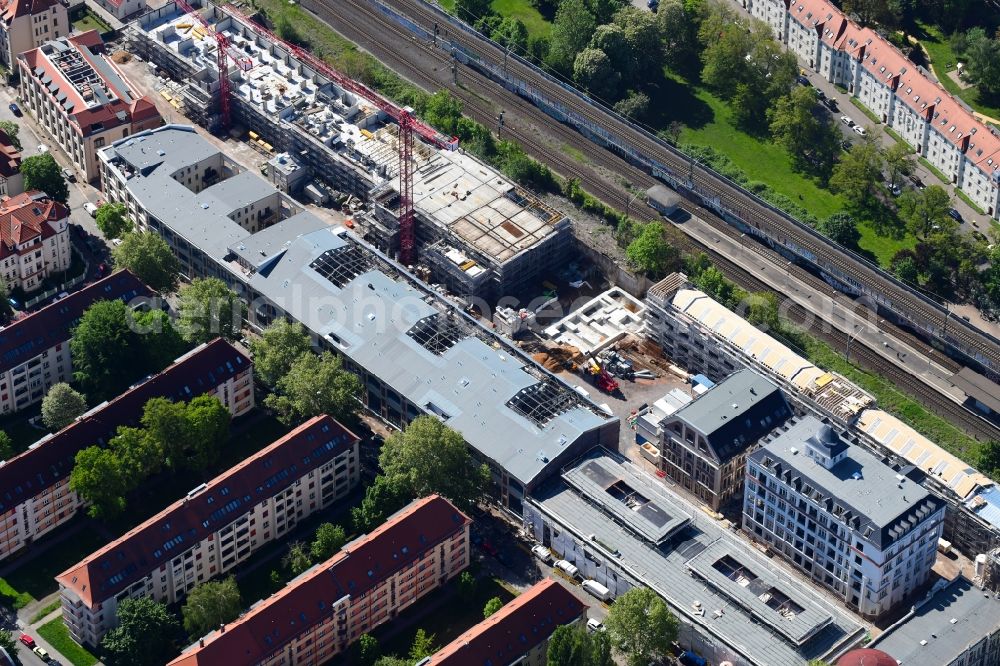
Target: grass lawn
{"points": [[56, 633], [45, 610], [22, 434], [865, 110], [91, 21], [14, 597], [761, 159], [36, 577], [523, 9], [934, 170], [943, 60], [883, 247]]}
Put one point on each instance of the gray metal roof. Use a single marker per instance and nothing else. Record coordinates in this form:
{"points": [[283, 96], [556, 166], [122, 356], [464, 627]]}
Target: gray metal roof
{"points": [[633, 499], [237, 191], [259, 248], [952, 619], [469, 383], [666, 570], [736, 412], [859, 482]]}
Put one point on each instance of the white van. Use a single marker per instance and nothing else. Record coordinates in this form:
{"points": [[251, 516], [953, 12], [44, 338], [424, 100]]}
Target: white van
{"points": [[596, 589], [541, 552], [567, 568]]}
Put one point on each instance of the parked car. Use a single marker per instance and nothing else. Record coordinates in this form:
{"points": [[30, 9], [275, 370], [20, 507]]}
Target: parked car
{"points": [[955, 215], [596, 589], [69, 175], [14, 303], [15, 109], [541, 552], [91, 209], [915, 179], [830, 103], [895, 189], [27, 640], [820, 95], [567, 568], [593, 624], [42, 149], [858, 129], [847, 120], [41, 652], [116, 241], [803, 81], [846, 145]]}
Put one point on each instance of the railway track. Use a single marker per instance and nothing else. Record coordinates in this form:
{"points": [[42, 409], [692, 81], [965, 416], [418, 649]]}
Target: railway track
{"points": [[482, 100], [907, 303]]}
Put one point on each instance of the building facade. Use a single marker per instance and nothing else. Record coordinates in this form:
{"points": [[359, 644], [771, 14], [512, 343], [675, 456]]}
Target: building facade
{"points": [[368, 583], [27, 24], [11, 180], [122, 9], [518, 633], [81, 99], [841, 516], [214, 528], [704, 444], [35, 497], [34, 350], [934, 123], [34, 239]]}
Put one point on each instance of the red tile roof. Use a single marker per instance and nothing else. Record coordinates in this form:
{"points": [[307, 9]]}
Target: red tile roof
{"points": [[192, 519], [51, 459], [11, 9], [25, 218], [361, 565], [10, 157], [520, 626]]}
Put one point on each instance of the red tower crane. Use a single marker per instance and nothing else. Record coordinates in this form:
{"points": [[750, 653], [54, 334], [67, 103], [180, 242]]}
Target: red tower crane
{"points": [[224, 49], [408, 125]]}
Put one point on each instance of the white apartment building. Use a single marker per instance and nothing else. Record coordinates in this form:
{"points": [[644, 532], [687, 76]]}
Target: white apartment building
{"points": [[35, 497], [368, 583], [841, 516], [34, 239], [34, 351], [214, 528], [27, 24], [81, 99], [938, 126]]}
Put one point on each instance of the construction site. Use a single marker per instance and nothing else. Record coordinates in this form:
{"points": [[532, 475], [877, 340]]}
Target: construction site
{"points": [[455, 220]]}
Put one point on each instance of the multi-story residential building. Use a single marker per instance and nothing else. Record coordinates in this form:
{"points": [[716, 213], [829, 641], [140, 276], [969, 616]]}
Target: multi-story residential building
{"points": [[81, 99], [11, 180], [938, 126], [518, 633], [34, 351], [704, 444], [34, 239], [122, 9], [214, 528], [35, 497], [956, 624], [27, 24], [841, 516], [368, 583]]}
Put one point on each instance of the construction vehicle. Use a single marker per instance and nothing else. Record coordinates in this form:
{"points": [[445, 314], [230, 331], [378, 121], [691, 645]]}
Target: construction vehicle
{"points": [[599, 375]]}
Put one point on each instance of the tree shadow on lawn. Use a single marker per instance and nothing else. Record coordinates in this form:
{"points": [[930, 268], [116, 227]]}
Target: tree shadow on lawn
{"points": [[672, 100]]}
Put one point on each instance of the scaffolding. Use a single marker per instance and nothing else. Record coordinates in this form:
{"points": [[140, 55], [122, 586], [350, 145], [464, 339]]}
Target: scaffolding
{"points": [[542, 402]]}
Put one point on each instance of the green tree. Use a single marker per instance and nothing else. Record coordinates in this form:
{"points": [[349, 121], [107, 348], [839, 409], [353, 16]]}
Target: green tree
{"points": [[886, 13], [511, 34], [651, 253], [471, 11], [899, 162], [572, 30], [926, 211], [8, 643], [492, 606], [841, 228], [277, 582], [423, 646], [572, 645], [605, 10], [392, 660], [467, 585], [762, 311], [41, 172], [150, 258], [112, 220], [208, 422], [99, 478], [635, 105], [61, 405], [106, 353], [642, 35], [982, 66], [329, 540], [314, 385], [640, 626], [809, 139], [209, 309], [276, 350], [210, 604], [988, 458], [611, 39], [382, 498], [297, 558], [429, 457], [144, 636], [138, 455], [678, 22], [5, 308], [592, 71], [368, 650], [161, 343], [11, 129], [6, 446], [285, 28], [857, 174], [904, 265], [443, 111]]}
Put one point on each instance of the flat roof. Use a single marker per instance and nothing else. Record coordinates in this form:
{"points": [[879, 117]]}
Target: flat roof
{"points": [[637, 501], [505, 405], [860, 482], [978, 387], [664, 568], [954, 617], [264, 245]]}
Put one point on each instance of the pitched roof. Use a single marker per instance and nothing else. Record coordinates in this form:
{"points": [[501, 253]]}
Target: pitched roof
{"points": [[206, 509], [51, 458], [12, 9], [47, 327], [25, 217], [10, 157], [521, 625], [358, 567]]}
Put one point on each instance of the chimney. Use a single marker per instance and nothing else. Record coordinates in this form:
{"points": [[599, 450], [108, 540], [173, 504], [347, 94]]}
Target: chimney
{"points": [[201, 642], [222, 628]]}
